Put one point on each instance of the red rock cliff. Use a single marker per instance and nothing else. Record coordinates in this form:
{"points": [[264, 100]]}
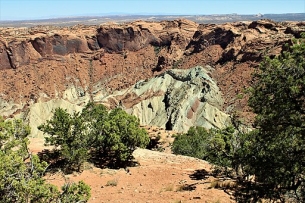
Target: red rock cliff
{"points": [[40, 62]]}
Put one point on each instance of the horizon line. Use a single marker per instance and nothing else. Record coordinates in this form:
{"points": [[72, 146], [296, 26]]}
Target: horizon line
{"points": [[133, 14]]}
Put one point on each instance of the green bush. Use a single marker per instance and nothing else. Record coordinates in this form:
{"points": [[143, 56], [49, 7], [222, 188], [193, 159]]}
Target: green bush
{"points": [[191, 143], [69, 134], [277, 96], [21, 173], [122, 135], [216, 146], [95, 132]]}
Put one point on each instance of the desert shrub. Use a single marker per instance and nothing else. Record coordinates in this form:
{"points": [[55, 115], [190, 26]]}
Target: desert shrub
{"points": [[113, 182], [21, 173], [123, 135], [277, 96], [192, 143], [157, 49], [73, 192], [94, 132], [69, 134], [216, 146]]}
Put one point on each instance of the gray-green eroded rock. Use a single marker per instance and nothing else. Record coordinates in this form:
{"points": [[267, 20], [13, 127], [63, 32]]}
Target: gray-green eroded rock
{"points": [[175, 100]]}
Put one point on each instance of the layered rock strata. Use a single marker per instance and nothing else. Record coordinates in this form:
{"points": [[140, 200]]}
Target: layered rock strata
{"points": [[80, 63]]}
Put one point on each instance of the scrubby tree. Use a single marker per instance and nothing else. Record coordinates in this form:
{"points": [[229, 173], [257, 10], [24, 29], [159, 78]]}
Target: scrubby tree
{"points": [[96, 116], [277, 96], [221, 147], [94, 131], [68, 133], [72, 192], [123, 135], [21, 172], [192, 143], [115, 133]]}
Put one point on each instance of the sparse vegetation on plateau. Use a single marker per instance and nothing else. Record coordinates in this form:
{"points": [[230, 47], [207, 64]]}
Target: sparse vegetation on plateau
{"points": [[157, 49]]}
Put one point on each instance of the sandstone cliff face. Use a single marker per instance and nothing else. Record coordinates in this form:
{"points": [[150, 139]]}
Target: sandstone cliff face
{"points": [[22, 50], [43, 63], [141, 34], [175, 100], [59, 45]]}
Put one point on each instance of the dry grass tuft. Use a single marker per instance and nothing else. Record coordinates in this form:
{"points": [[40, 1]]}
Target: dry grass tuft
{"points": [[112, 183], [226, 184], [167, 188]]}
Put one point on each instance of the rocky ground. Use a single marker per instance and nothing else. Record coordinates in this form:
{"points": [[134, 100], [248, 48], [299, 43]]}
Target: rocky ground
{"points": [[159, 177]]}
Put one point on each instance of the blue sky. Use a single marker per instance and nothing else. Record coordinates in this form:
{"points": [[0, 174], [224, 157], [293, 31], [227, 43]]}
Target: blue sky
{"points": [[38, 9]]}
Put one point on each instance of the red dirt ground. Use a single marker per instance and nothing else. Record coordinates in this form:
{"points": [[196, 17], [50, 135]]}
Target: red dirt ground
{"points": [[158, 177]]}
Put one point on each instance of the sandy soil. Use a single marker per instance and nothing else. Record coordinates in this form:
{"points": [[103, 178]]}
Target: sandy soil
{"points": [[160, 177]]}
